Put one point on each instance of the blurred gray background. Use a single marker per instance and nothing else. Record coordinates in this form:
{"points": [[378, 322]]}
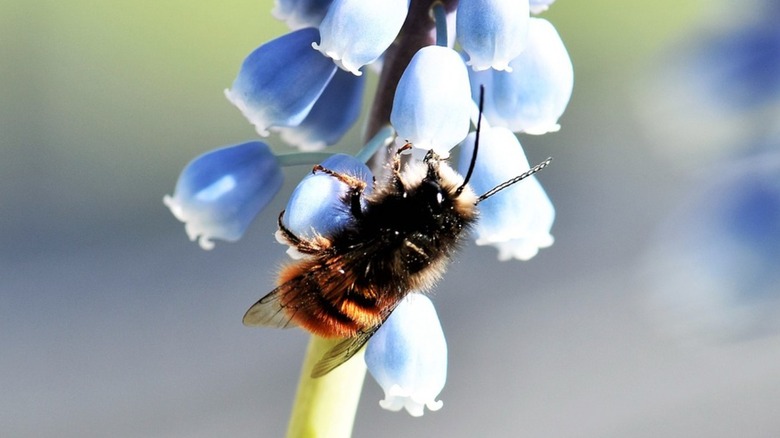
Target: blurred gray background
{"points": [[113, 324]]}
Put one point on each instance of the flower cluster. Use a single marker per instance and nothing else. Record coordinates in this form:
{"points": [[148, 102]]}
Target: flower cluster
{"points": [[308, 86]]}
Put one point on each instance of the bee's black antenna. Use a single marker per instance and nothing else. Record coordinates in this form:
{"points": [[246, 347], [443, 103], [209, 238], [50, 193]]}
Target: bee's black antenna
{"points": [[516, 179], [476, 142]]}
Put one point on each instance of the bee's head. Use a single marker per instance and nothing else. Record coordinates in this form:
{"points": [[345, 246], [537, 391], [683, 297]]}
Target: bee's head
{"points": [[441, 189]]}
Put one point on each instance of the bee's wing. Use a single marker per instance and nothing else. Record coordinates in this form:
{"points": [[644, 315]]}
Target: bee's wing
{"points": [[342, 352], [269, 310]]}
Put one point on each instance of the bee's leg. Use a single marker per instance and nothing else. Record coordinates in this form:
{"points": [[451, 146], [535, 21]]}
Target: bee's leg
{"points": [[302, 245], [396, 167], [356, 187]]}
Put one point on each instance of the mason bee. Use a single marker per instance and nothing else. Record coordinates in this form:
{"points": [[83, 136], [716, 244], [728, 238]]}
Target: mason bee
{"points": [[400, 241]]}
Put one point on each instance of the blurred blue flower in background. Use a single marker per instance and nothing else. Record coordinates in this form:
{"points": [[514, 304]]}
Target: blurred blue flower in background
{"points": [[719, 88], [714, 273]]}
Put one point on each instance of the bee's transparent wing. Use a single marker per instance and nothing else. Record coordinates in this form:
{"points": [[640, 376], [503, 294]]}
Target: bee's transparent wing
{"points": [[342, 352], [269, 311]]}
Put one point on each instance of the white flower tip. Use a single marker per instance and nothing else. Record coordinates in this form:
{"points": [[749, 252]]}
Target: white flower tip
{"points": [[339, 60], [194, 229], [397, 398], [174, 206], [300, 139], [292, 250], [294, 254], [205, 243], [524, 249], [541, 130], [254, 117]]}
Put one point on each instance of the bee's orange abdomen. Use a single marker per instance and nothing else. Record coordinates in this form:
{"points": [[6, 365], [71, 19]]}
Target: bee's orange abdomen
{"points": [[328, 306]]}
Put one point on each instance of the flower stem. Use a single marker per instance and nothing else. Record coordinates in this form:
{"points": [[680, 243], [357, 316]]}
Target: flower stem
{"points": [[325, 407], [440, 18]]}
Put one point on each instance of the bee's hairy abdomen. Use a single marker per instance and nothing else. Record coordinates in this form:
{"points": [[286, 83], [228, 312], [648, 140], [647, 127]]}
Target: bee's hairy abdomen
{"points": [[325, 299]]}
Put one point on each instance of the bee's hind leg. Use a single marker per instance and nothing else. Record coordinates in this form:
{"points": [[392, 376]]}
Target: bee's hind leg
{"points": [[356, 187]]}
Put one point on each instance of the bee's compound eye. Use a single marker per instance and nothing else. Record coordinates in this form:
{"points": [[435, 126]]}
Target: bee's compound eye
{"points": [[432, 193]]}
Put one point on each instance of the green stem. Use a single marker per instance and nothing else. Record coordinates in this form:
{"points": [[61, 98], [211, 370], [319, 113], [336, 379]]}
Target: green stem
{"points": [[325, 407], [440, 18], [380, 139]]}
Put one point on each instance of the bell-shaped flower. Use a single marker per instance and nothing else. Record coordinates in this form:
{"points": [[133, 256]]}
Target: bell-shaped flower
{"points": [[408, 357], [532, 97], [219, 193], [516, 220], [332, 115], [492, 32], [301, 13], [432, 104], [539, 6], [320, 205], [356, 32], [281, 80]]}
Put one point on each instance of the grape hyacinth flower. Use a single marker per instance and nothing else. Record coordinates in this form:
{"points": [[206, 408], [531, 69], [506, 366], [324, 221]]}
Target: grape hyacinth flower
{"points": [[516, 221], [534, 94], [357, 32], [307, 86], [220, 192], [318, 205], [280, 81], [492, 32], [408, 357], [432, 105], [323, 126]]}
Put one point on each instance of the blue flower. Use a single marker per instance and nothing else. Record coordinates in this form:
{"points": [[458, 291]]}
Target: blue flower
{"points": [[281, 80], [741, 68], [517, 220], [532, 97], [301, 13], [432, 106], [220, 192], [319, 205], [539, 6], [333, 114], [492, 32], [356, 32], [408, 357], [714, 271]]}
